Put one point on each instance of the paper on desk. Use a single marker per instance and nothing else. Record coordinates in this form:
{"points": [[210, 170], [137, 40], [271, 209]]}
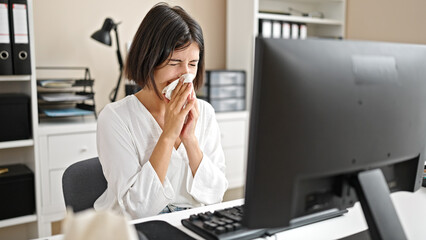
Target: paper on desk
{"points": [[66, 112], [57, 83], [58, 97]]}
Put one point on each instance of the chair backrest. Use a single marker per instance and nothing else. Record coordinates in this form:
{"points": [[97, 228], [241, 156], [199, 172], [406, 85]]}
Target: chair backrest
{"points": [[82, 183]]}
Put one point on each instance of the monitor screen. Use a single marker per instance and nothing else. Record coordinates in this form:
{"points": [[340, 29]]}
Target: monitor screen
{"points": [[333, 122]]}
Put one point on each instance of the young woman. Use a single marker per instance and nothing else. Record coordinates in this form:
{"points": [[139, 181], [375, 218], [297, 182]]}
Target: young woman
{"points": [[161, 155]]}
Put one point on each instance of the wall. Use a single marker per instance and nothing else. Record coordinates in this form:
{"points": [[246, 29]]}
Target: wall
{"points": [[387, 20], [63, 30]]}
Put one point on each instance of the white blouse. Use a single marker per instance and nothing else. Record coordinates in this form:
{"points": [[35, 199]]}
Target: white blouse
{"points": [[126, 136]]}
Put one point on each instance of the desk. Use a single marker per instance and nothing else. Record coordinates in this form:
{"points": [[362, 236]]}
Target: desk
{"points": [[411, 208]]}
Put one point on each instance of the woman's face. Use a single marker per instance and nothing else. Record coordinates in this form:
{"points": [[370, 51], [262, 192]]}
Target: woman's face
{"points": [[181, 62]]}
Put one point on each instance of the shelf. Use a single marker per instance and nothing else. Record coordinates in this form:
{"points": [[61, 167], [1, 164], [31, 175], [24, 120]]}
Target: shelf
{"points": [[11, 78], [18, 220], [232, 115], [299, 19], [17, 143], [310, 1]]}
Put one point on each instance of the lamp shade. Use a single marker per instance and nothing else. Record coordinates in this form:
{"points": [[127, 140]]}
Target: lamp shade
{"points": [[103, 35]]}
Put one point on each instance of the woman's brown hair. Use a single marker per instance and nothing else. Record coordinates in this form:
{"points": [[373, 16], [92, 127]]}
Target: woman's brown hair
{"points": [[163, 30]]}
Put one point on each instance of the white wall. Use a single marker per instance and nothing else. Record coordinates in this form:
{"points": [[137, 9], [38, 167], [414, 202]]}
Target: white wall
{"points": [[63, 29], [387, 20]]}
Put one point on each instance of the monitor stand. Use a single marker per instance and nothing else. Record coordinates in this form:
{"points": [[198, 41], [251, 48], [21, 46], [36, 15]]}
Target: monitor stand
{"points": [[380, 214]]}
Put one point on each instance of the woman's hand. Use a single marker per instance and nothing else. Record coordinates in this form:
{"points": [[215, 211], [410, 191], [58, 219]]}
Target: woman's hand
{"points": [[175, 115], [188, 131]]}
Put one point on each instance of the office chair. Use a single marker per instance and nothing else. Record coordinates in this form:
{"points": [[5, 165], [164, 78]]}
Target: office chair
{"points": [[82, 183]]}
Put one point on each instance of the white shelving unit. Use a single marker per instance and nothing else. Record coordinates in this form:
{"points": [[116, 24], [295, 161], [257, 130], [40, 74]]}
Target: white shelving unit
{"points": [[18, 221], [233, 127], [14, 78], [23, 151], [300, 19], [243, 18], [242, 27], [17, 144], [61, 143]]}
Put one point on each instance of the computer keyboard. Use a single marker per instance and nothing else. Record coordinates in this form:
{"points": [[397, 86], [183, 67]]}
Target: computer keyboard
{"points": [[225, 224], [221, 225]]}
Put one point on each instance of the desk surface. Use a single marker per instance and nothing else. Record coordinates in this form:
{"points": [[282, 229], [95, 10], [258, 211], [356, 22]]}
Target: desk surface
{"points": [[411, 209]]}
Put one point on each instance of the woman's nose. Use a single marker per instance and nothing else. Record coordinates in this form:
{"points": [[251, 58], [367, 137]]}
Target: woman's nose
{"points": [[184, 70]]}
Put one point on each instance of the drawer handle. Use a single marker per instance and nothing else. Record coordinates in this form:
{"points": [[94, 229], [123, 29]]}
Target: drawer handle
{"points": [[84, 149]]}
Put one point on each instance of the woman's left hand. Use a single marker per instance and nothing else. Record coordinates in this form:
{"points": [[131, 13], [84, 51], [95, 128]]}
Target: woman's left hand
{"points": [[188, 131]]}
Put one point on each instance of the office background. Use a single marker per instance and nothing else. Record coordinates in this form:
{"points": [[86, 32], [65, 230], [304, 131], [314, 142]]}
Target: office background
{"points": [[63, 29]]}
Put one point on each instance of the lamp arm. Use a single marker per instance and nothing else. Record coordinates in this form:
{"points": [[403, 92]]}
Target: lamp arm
{"points": [[119, 58], [120, 63]]}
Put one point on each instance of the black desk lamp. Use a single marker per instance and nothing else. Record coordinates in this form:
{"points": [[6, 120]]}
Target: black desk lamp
{"points": [[103, 36]]}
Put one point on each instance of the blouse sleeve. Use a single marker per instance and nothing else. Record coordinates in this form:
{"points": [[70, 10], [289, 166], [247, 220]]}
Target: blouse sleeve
{"points": [[209, 183], [136, 188]]}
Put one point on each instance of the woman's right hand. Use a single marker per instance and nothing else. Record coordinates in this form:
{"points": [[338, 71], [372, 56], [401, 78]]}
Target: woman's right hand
{"points": [[175, 113]]}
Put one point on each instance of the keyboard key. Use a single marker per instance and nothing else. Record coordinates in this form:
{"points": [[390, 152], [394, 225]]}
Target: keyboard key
{"points": [[237, 219], [221, 223], [220, 230], [193, 217], [237, 226], [228, 221], [229, 227], [204, 217], [218, 213], [209, 225]]}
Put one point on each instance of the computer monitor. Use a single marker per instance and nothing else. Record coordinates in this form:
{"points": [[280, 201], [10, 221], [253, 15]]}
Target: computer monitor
{"points": [[329, 119]]}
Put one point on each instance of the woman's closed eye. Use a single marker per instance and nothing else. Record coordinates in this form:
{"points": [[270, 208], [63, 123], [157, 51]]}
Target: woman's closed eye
{"points": [[175, 64]]}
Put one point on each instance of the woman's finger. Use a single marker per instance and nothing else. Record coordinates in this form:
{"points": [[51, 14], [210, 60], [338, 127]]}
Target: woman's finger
{"points": [[182, 96], [165, 99], [177, 88], [189, 105]]}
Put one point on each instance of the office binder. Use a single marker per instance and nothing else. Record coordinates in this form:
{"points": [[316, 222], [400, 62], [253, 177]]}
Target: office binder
{"points": [[286, 30], [276, 29], [303, 31], [6, 67], [18, 16], [294, 31], [265, 28]]}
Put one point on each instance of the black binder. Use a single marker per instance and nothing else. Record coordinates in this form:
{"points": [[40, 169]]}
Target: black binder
{"points": [[18, 16], [6, 67]]}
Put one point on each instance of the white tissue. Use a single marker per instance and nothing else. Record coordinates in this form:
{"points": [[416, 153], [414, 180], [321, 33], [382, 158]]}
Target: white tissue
{"points": [[169, 88]]}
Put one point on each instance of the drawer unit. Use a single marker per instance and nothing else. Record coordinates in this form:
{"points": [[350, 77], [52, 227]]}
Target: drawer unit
{"points": [[232, 133], [61, 144], [225, 90], [233, 129], [226, 105], [66, 149], [224, 77], [235, 166]]}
